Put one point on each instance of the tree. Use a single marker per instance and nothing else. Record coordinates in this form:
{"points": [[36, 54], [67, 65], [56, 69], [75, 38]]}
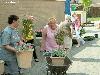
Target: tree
{"points": [[86, 4]]}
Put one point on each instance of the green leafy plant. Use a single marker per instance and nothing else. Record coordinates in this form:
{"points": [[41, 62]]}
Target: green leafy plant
{"points": [[55, 53], [86, 4], [63, 31], [82, 31], [27, 26], [94, 19], [58, 53], [60, 38], [89, 38]]}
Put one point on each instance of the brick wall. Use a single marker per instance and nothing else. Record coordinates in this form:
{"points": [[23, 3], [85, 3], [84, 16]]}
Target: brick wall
{"points": [[40, 9]]}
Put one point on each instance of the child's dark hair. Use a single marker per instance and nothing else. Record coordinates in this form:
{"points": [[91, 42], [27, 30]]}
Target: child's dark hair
{"points": [[11, 18]]}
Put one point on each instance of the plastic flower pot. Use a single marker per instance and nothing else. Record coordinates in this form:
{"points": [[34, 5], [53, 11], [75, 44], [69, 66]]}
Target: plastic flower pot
{"points": [[1, 67], [24, 59]]}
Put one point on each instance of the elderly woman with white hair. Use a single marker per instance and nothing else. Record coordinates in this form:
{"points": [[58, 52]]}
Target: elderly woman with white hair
{"points": [[66, 26], [48, 36]]}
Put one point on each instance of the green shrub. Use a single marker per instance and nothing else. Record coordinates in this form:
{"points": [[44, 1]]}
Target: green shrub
{"points": [[89, 38], [82, 31]]}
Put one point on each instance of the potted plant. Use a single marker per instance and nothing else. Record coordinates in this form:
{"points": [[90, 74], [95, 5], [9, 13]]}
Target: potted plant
{"points": [[82, 31], [57, 56], [27, 26], [25, 51], [24, 55]]}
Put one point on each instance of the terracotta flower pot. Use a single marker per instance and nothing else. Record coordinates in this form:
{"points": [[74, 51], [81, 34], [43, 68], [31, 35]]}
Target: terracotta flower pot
{"points": [[1, 67], [24, 59], [57, 60]]}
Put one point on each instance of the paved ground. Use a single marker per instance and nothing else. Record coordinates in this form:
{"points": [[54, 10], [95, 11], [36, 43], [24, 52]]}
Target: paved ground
{"points": [[86, 59]]}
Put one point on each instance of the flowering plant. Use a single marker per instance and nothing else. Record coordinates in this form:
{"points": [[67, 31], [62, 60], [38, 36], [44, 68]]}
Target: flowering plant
{"points": [[28, 26], [24, 46]]}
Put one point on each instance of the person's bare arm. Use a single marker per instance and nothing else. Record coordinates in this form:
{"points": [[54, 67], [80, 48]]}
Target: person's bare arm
{"points": [[12, 49]]}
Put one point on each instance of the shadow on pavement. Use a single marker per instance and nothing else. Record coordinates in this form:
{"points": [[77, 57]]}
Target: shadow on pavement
{"points": [[86, 59], [77, 74]]}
